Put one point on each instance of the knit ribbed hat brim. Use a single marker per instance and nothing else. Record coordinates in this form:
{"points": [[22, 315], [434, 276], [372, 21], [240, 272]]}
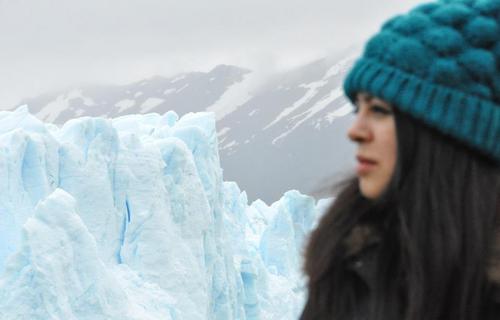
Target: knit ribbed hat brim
{"points": [[472, 120]]}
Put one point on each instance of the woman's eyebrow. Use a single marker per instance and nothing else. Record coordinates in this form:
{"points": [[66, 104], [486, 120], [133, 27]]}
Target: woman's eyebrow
{"points": [[382, 103], [365, 96]]}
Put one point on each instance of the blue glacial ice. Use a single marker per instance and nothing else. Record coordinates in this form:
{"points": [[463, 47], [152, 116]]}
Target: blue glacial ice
{"points": [[129, 218]]}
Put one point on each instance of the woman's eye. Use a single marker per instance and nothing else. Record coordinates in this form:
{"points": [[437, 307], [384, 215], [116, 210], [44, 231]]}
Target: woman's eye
{"points": [[381, 110]]}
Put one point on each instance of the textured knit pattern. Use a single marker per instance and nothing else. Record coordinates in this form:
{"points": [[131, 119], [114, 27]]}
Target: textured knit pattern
{"points": [[440, 63]]}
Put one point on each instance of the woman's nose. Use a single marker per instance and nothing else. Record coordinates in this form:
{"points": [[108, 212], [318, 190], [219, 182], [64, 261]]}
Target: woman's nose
{"points": [[359, 132]]}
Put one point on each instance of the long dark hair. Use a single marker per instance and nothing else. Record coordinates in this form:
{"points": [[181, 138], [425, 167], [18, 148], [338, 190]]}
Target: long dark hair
{"points": [[436, 221]]}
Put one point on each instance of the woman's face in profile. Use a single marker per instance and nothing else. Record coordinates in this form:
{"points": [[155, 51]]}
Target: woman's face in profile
{"points": [[374, 131]]}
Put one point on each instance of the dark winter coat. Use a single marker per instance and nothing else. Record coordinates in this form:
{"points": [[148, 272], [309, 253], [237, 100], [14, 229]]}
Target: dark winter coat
{"points": [[362, 245]]}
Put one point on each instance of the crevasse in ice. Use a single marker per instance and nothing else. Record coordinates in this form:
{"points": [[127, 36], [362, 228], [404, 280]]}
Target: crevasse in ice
{"points": [[130, 218]]}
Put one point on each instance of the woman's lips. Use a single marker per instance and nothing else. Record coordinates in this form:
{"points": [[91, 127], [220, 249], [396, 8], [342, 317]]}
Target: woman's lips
{"points": [[365, 165]]}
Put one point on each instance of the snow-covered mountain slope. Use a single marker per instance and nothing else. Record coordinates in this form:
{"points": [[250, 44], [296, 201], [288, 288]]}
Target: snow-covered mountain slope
{"points": [[129, 218], [290, 126], [292, 133], [183, 93]]}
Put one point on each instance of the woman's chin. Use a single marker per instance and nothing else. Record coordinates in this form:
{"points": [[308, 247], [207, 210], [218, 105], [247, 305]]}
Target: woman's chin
{"points": [[369, 190]]}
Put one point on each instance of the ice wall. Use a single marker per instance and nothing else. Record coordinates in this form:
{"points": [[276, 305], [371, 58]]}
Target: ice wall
{"points": [[129, 218]]}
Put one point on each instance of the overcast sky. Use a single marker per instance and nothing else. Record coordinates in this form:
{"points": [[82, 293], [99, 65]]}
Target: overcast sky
{"points": [[48, 45]]}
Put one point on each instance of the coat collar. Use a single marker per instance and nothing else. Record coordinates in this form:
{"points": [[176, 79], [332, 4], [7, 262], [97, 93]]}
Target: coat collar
{"points": [[360, 237]]}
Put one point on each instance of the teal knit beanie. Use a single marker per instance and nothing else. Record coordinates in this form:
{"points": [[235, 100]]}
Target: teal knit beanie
{"points": [[439, 63]]}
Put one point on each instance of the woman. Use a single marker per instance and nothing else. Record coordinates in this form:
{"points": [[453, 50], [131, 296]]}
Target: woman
{"points": [[416, 234]]}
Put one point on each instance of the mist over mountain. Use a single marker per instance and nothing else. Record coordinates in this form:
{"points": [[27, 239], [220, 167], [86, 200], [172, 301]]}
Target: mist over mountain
{"points": [[281, 131]]}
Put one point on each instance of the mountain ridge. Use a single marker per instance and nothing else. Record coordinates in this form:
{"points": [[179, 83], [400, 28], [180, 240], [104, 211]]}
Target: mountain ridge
{"points": [[288, 125]]}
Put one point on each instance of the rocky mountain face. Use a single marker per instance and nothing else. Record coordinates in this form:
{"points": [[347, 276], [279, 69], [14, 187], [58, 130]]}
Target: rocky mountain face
{"points": [[285, 131]]}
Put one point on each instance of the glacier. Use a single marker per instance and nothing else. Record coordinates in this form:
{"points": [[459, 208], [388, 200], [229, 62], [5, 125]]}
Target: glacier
{"points": [[130, 218]]}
